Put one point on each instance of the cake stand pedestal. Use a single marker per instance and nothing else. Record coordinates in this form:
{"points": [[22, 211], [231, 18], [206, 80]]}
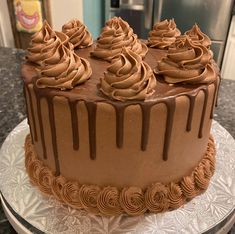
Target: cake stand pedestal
{"points": [[28, 210]]}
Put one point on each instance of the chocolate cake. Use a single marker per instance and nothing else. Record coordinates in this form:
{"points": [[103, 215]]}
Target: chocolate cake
{"points": [[117, 127]]}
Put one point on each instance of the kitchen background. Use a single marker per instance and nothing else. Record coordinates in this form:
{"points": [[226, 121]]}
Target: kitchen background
{"points": [[19, 19]]}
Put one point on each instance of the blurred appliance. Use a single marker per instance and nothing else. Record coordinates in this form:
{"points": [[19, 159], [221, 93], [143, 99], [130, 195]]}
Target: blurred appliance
{"points": [[212, 16]]}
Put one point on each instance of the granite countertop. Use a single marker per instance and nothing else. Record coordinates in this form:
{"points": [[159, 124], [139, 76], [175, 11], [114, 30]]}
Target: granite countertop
{"points": [[12, 107]]}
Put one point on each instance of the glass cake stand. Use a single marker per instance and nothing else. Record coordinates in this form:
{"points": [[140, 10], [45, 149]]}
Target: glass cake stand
{"points": [[30, 211]]}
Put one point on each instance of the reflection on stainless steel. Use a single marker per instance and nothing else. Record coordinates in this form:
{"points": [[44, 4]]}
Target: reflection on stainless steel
{"points": [[148, 8], [218, 49], [133, 11], [137, 5], [212, 16]]}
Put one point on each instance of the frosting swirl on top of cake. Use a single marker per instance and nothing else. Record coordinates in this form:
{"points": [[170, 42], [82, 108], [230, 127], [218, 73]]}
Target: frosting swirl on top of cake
{"points": [[187, 63], [78, 34], [128, 78], [63, 70], [198, 37], [114, 36], [43, 43], [164, 34]]}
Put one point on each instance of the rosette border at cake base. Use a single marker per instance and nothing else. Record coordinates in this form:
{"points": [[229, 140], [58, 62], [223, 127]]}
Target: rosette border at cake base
{"points": [[48, 215]]}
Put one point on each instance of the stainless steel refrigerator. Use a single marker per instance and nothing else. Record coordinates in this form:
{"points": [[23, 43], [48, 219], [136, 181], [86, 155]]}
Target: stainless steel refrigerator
{"points": [[212, 16]]}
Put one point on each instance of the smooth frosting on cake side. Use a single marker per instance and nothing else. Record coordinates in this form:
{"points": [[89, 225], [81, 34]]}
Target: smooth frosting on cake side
{"points": [[81, 131]]}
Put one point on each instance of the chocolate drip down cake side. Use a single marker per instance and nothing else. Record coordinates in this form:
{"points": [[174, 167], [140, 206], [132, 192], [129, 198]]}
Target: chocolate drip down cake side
{"points": [[120, 125]]}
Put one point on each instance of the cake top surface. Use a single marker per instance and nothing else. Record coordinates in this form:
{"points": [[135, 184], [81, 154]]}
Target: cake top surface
{"points": [[58, 69], [90, 90]]}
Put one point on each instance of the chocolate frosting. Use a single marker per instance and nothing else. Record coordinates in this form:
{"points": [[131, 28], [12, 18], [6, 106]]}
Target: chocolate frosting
{"points": [[88, 195], [109, 200], [63, 70], [78, 34], [175, 196], [198, 37], [44, 43], [156, 198], [128, 78], [70, 193], [132, 200], [188, 187], [163, 35], [187, 63], [46, 175], [208, 170], [33, 168], [201, 180], [117, 34], [57, 186]]}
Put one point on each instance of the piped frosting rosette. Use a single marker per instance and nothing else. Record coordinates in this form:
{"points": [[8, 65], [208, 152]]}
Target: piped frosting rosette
{"points": [[114, 36], [156, 198], [108, 201], [44, 43], [128, 78], [163, 35], [187, 63], [132, 201], [78, 34], [63, 70], [198, 37]]}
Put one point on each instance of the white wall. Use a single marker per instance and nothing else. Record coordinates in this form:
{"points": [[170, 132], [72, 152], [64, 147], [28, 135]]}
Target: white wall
{"points": [[228, 68], [64, 10], [5, 25]]}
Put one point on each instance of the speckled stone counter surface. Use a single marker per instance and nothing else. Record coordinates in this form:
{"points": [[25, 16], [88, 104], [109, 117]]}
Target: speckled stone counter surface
{"points": [[12, 107]]}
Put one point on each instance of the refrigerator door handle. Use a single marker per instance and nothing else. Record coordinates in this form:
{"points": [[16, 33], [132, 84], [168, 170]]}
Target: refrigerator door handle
{"points": [[148, 12]]}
